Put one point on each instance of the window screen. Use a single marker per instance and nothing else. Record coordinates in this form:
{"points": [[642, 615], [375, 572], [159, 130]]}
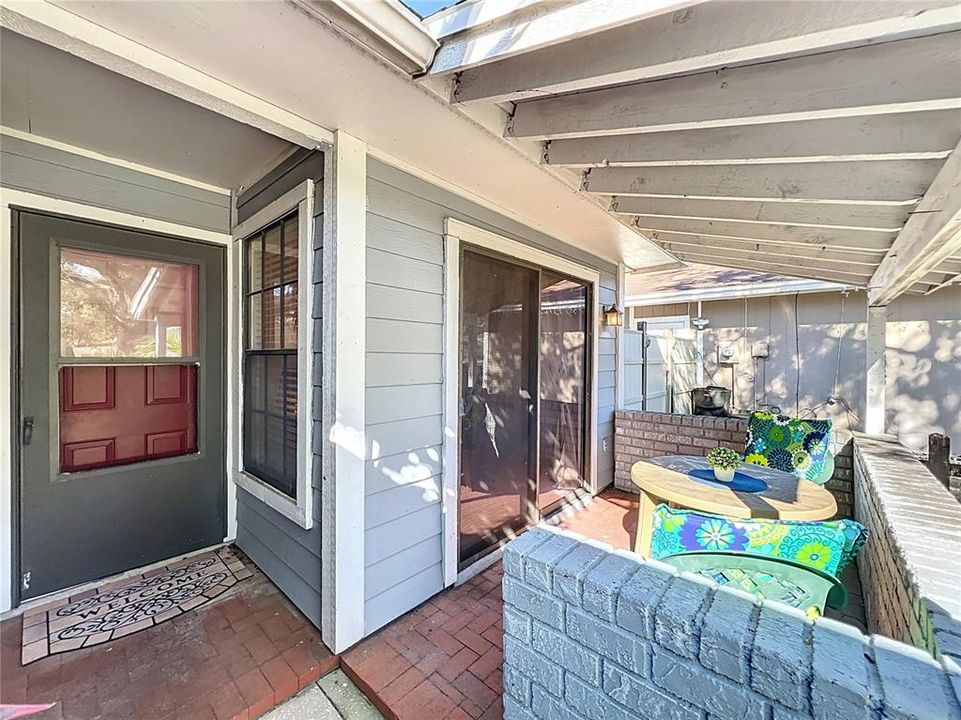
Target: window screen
{"points": [[270, 355]]}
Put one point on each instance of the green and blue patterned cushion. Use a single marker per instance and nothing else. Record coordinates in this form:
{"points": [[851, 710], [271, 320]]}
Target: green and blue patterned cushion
{"points": [[829, 546], [799, 447]]}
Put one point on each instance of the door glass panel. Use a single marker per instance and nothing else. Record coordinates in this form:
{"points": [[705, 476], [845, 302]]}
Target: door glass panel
{"points": [[119, 306], [116, 415], [496, 403], [563, 359]]}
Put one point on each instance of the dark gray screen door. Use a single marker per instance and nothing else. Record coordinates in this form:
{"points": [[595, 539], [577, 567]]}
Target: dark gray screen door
{"points": [[121, 400]]}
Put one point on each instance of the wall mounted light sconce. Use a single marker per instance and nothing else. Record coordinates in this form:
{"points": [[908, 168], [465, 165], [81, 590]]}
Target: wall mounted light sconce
{"points": [[613, 317]]}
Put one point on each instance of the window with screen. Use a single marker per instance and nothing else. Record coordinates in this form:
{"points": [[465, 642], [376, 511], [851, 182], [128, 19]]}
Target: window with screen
{"points": [[270, 355]]}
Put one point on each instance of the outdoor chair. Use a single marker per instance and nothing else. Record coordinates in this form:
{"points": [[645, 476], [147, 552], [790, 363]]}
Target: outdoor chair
{"points": [[801, 447], [801, 586]]}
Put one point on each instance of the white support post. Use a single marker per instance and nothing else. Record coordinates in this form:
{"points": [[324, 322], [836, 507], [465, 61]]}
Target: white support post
{"points": [[874, 379], [619, 379], [344, 372]]}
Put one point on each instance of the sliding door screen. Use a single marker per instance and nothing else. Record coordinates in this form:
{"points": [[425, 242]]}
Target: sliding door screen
{"points": [[563, 388]]}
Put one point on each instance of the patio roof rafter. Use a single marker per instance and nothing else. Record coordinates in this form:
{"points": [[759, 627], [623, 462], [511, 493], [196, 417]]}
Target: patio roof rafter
{"points": [[895, 181], [702, 36], [783, 265], [931, 236], [902, 76], [800, 213], [861, 241], [808, 129], [875, 137], [737, 248]]}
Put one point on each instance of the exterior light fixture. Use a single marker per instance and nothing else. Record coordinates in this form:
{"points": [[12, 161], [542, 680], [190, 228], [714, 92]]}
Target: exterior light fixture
{"points": [[613, 317]]}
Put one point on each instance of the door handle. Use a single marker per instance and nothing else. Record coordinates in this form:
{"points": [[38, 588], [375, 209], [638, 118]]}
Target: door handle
{"points": [[27, 430]]}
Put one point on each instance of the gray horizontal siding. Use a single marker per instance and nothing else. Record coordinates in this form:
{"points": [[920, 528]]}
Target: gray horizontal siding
{"points": [[64, 175], [606, 393], [289, 555], [405, 255]]}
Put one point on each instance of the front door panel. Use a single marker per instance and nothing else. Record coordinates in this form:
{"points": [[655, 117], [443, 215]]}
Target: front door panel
{"points": [[122, 400]]}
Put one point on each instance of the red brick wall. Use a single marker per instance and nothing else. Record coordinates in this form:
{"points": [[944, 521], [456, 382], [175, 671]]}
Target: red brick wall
{"points": [[639, 434]]}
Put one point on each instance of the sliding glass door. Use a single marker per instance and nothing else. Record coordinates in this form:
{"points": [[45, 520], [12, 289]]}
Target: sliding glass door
{"points": [[524, 339], [563, 387]]}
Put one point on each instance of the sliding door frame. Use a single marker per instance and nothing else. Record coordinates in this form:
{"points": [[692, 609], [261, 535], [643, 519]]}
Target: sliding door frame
{"points": [[458, 233]]}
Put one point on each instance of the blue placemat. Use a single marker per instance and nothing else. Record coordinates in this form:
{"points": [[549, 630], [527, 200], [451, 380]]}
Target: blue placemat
{"points": [[742, 482]]}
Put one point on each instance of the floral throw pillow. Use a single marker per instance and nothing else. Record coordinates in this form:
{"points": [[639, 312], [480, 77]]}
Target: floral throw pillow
{"points": [[828, 546], [781, 442]]}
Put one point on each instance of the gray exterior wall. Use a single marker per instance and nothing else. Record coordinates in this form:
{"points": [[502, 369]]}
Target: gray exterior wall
{"points": [[923, 356], [591, 633], [405, 346], [56, 173], [288, 554]]}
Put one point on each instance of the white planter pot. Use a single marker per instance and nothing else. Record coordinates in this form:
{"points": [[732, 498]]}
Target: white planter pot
{"points": [[724, 476]]}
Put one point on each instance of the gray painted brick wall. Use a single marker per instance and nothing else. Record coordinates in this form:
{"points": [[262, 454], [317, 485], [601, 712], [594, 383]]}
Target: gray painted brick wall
{"points": [[639, 434], [594, 634], [911, 568]]}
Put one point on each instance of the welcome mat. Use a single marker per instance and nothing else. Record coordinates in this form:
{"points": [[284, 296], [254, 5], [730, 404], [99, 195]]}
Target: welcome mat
{"points": [[127, 606]]}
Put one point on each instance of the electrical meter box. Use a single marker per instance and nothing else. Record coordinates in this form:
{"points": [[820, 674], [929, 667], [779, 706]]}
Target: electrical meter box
{"points": [[727, 353]]}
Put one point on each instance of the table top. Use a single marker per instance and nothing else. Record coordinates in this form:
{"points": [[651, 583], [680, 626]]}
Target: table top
{"points": [[786, 498]]}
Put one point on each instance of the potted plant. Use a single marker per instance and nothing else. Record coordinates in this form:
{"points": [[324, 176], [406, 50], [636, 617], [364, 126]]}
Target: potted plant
{"points": [[724, 461]]}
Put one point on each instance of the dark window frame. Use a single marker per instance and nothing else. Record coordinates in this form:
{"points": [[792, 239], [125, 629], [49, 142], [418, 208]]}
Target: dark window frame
{"points": [[284, 482]]}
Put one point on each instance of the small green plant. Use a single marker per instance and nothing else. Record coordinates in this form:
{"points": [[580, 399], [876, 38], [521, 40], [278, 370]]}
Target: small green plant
{"points": [[723, 458]]}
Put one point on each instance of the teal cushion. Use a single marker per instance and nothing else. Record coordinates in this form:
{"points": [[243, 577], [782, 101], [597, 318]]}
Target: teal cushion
{"points": [[792, 445], [829, 546]]}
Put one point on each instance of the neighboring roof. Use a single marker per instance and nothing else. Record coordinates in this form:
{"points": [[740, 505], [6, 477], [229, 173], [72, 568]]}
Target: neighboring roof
{"points": [[808, 139], [709, 282]]}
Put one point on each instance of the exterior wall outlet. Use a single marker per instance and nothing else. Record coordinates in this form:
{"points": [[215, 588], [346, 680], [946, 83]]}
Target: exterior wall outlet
{"points": [[760, 349], [727, 353]]}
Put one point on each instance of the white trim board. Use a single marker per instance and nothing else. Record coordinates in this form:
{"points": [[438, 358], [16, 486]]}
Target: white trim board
{"points": [[456, 232], [344, 438], [300, 510], [17, 199]]}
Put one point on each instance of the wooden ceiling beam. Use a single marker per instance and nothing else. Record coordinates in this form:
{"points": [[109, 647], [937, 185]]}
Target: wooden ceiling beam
{"points": [[528, 26], [786, 259], [783, 268], [903, 76], [815, 214], [873, 182], [930, 236], [682, 243], [705, 36], [901, 136], [871, 248], [877, 242]]}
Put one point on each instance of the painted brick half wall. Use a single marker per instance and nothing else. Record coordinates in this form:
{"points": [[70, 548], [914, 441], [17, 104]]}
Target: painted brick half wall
{"points": [[639, 434], [911, 566], [596, 634]]}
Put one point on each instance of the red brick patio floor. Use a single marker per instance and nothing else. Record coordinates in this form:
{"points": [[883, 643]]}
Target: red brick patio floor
{"points": [[235, 657], [443, 660]]}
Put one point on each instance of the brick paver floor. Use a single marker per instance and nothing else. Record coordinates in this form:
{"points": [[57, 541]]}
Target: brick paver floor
{"points": [[235, 657], [443, 660]]}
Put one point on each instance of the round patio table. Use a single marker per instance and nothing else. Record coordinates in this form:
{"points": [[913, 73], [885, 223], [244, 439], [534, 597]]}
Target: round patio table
{"points": [[669, 479]]}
